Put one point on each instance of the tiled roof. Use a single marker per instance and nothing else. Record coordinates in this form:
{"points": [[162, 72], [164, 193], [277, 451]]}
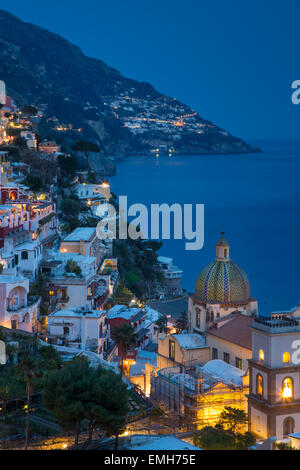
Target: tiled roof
{"points": [[235, 328]]}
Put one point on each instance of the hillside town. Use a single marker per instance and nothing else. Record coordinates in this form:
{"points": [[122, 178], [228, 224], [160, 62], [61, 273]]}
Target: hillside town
{"points": [[188, 361]]}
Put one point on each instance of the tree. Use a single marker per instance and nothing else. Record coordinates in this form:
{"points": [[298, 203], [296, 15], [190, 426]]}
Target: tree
{"points": [[67, 394], [86, 147], [20, 142], [210, 438], [108, 405], [13, 132], [30, 110], [73, 267], [70, 208], [233, 419], [111, 396], [161, 325], [35, 183], [125, 337], [182, 322], [49, 358], [29, 369], [67, 165]]}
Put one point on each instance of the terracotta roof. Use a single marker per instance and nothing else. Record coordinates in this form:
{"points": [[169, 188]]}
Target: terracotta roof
{"points": [[234, 328]]}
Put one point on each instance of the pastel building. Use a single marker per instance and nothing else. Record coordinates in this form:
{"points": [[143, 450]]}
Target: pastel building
{"points": [[230, 339], [79, 328], [182, 349], [222, 288], [94, 196], [72, 289], [17, 309], [84, 241]]}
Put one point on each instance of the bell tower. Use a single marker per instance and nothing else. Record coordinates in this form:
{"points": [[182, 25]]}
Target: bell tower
{"points": [[222, 249], [274, 371]]}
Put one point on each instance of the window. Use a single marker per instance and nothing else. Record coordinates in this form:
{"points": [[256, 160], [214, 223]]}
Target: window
{"points": [[13, 324], [287, 388], [172, 350], [226, 357], [198, 318], [286, 358], [238, 363], [261, 355], [288, 426], [24, 255], [258, 423], [259, 385], [66, 330], [214, 353], [225, 253]]}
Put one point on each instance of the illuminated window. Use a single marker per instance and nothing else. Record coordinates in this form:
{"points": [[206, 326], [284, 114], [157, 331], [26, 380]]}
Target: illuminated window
{"points": [[238, 363], [261, 355], [172, 350], [287, 388], [226, 357], [286, 358], [259, 385], [51, 292]]}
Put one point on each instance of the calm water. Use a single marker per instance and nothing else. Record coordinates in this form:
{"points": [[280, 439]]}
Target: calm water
{"points": [[254, 198]]}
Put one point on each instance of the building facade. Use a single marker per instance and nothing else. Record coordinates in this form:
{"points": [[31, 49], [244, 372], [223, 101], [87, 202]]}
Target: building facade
{"points": [[274, 399]]}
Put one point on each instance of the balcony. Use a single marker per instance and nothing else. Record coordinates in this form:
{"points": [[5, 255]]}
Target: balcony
{"points": [[31, 300]]}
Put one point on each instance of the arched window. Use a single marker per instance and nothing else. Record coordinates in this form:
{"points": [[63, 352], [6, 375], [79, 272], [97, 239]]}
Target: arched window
{"points": [[259, 385], [261, 355], [287, 388], [288, 426], [198, 317], [286, 358]]}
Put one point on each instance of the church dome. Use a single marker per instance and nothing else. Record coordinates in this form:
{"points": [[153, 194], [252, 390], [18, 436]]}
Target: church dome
{"points": [[222, 281]]}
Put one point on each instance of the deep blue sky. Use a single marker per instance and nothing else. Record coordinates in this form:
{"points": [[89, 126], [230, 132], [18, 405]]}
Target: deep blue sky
{"points": [[232, 61]]}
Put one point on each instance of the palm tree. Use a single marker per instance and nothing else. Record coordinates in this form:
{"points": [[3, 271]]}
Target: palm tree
{"points": [[161, 325], [125, 337], [182, 322], [86, 147], [29, 369]]}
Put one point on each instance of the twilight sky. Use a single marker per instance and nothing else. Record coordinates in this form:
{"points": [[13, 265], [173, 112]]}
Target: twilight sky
{"points": [[232, 61]]}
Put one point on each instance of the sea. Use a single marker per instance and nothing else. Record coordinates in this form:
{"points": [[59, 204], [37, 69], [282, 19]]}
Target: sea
{"points": [[253, 198]]}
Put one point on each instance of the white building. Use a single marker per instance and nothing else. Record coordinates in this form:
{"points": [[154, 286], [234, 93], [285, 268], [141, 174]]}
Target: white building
{"points": [[2, 92], [274, 399], [17, 309], [172, 276], [80, 328]]}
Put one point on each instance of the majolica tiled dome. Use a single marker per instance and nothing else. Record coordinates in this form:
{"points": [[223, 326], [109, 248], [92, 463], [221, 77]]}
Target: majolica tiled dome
{"points": [[222, 281]]}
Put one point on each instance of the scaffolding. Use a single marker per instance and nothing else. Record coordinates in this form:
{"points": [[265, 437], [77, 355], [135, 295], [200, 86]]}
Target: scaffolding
{"points": [[196, 398]]}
